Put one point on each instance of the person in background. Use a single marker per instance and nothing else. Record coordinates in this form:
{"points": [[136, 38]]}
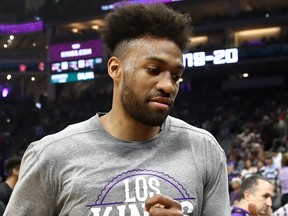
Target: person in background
{"points": [[282, 211], [249, 169], [283, 179], [136, 158], [260, 167], [271, 172], [280, 133], [11, 167], [257, 191], [235, 193]]}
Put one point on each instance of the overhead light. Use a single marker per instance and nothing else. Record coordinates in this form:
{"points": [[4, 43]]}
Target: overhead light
{"points": [[75, 30], [5, 46], [33, 78], [245, 75], [95, 27], [5, 92], [11, 37], [199, 39], [262, 31], [8, 77], [34, 44]]}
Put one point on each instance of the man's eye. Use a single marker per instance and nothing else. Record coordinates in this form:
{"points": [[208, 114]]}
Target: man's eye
{"points": [[153, 70], [177, 78]]}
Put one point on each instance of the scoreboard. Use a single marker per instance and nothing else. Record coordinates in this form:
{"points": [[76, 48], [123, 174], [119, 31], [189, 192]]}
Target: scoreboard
{"points": [[77, 61]]}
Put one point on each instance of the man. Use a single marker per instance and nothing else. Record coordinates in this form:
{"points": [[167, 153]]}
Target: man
{"points": [[12, 170], [256, 194], [136, 159]]}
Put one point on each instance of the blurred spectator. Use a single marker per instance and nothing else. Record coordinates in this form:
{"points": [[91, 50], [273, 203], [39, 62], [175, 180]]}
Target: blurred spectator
{"points": [[280, 133], [232, 173], [260, 167], [246, 137], [282, 211], [266, 132], [283, 179], [271, 171], [12, 167], [249, 169], [235, 190], [277, 158]]}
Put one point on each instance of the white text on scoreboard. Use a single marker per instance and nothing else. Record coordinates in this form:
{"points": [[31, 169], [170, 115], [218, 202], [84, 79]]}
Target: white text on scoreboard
{"points": [[217, 57]]}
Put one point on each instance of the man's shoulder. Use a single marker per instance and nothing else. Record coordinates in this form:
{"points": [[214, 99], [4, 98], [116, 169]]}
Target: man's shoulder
{"points": [[180, 125], [4, 185], [4, 190], [77, 129]]}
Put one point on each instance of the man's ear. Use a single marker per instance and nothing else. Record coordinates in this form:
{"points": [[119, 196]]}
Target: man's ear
{"points": [[114, 67], [15, 171]]}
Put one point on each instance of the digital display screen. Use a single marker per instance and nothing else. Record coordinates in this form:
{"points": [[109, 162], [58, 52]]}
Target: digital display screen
{"points": [[21, 28], [71, 77], [22, 67], [75, 65], [215, 57], [75, 50]]}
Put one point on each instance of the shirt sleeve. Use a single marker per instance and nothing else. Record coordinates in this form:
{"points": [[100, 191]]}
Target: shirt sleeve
{"points": [[216, 194], [32, 193]]}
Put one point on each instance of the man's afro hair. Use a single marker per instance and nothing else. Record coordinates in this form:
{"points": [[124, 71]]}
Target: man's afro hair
{"points": [[136, 20]]}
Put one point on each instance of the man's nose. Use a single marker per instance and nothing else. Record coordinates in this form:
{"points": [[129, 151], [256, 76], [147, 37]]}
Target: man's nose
{"points": [[269, 202], [166, 84]]}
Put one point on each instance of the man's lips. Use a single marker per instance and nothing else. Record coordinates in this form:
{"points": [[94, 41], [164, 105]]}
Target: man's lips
{"points": [[162, 100]]}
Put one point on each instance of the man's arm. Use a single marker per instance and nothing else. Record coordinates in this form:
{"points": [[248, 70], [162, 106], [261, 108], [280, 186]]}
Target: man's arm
{"points": [[216, 196], [31, 195]]}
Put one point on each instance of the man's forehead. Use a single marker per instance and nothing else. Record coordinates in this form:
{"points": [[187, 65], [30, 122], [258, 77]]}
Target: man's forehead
{"points": [[265, 187]]}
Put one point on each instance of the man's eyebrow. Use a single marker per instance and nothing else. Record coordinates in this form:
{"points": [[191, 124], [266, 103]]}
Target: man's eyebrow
{"points": [[268, 195], [162, 61]]}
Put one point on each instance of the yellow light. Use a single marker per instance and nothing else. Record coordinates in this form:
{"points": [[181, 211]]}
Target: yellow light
{"points": [[199, 39], [260, 32], [75, 30], [95, 27]]}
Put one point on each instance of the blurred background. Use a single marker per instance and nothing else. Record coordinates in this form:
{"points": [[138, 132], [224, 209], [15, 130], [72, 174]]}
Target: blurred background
{"points": [[53, 73]]}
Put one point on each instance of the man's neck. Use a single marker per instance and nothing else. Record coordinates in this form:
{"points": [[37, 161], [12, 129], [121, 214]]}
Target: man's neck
{"points": [[11, 182], [242, 204], [128, 129]]}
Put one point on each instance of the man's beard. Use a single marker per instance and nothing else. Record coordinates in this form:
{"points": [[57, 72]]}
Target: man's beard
{"points": [[139, 110]]}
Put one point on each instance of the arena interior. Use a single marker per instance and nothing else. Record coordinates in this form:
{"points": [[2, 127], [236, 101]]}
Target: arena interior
{"points": [[53, 73]]}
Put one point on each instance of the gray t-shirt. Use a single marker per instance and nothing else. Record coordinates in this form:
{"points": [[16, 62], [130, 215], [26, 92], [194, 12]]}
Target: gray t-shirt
{"points": [[83, 170]]}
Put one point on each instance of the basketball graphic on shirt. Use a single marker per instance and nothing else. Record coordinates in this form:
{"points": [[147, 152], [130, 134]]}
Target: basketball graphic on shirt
{"points": [[127, 192]]}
